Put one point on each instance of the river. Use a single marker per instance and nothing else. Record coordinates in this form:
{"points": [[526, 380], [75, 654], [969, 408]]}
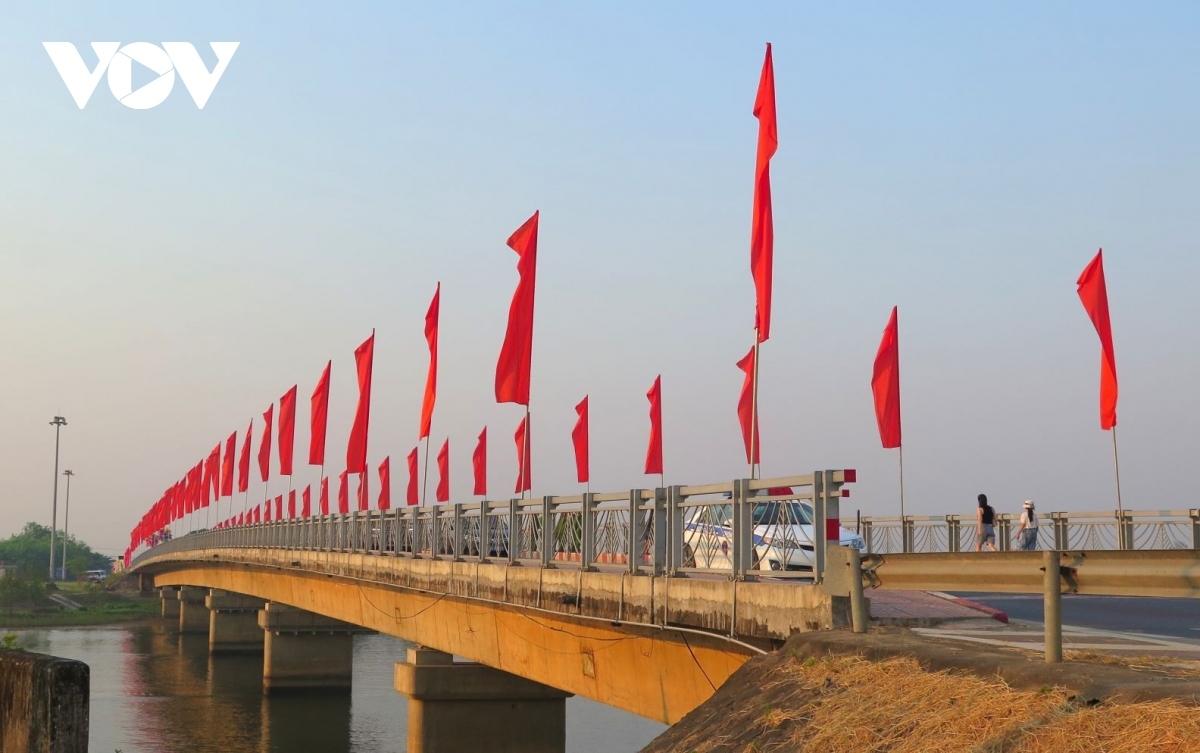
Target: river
{"points": [[154, 691]]}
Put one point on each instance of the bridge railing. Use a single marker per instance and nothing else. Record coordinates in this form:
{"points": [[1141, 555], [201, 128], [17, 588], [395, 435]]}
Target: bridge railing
{"points": [[735, 529], [1107, 530]]}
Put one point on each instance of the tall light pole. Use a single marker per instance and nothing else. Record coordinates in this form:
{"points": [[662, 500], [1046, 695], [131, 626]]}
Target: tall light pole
{"points": [[57, 423], [66, 515]]}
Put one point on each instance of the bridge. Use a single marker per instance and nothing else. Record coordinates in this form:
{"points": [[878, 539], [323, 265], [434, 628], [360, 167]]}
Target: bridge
{"points": [[646, 600]]}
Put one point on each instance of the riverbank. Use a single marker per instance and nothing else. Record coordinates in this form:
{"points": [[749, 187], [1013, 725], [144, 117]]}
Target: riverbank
{"points": [[891, 691], [97, 608]]}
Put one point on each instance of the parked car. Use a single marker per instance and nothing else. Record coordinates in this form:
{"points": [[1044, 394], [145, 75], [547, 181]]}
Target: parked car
{"points": [[782, 536]]}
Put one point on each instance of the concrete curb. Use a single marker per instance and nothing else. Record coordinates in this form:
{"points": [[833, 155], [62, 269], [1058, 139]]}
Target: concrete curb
{"points": [[992, 612]]}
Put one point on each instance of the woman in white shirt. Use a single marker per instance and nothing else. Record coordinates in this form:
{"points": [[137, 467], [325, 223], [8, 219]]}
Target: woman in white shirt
{"points": [[1027, 533]]}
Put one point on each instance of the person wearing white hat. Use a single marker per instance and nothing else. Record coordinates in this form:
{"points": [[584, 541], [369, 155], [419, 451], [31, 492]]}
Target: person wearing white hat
{"points": [[1027, 532]]}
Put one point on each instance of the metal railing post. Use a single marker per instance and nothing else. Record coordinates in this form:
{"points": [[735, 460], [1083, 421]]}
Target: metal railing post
{"points": [[818, 528], [1195, 516], [1062, 532], [547, 531], [1003, 533], [514, 532], [1125, 531], [907, 535], [859, 618], [637, 530], [1052, 587], [868, 535], [953, 534], [674, 530], [658, 551], [587, 548], [457, 532], [743, 529]]}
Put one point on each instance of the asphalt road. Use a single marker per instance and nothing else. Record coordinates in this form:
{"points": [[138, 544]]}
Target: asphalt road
{"points": [[1175, 617]]}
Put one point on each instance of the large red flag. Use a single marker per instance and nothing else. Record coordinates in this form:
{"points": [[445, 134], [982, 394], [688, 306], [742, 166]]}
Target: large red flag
{"points": [[266, 510], [654, 452], [1094, 294], [363, 503], [885, 384], [320, 417], [292, 503], [512, 369], [523, 440], [385, 484], [264, 447], [279, 507], [411, 496], [257, 515], [479, 464], [287, 431], [205, 491], [579, 437], [324, 500], [431, 337], [442, 493], [244, 460], [762, 231], [214, 476], [343, 494], [356, 450], [306, 501], [745, 407]]}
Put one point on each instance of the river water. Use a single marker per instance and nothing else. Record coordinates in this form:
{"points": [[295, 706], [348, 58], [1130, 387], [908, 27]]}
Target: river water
{"points": [[154, 691]]}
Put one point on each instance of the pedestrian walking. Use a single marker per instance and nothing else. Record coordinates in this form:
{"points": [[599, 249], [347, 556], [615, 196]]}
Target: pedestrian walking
{"points": [[1027, 532], [985, 525]]}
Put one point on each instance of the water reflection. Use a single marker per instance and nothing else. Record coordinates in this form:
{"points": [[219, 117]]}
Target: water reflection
{"points": [[155, 691]]}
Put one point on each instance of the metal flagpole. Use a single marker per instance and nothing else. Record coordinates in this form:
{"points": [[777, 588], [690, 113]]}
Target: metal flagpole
{"points": [[524, 469], [425, 482], [902, 482], [754, 409], [1120, 509]]}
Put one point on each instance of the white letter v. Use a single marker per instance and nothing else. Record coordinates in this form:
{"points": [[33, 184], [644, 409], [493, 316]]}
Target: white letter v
{"points": [[79, 80]]}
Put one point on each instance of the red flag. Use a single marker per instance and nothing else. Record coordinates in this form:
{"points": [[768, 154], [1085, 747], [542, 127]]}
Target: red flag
{"points": [[287, 431], [320, 417], [306, 501], [214, 475], [244, 460], [579, 436], [523, 438], [885, 384], [324, 501], [356, 450], [227, 465], [512, 369], [762, 232], [267, 510], [1094, 294], [385, 484], [264, 447], [443, 462], [745, 407], [654, 453], [363, 502], [343, 494], [279, 507], [479, 464], [431, 337], [292, 504], [257, 515], [412, 478], [205, 490]]}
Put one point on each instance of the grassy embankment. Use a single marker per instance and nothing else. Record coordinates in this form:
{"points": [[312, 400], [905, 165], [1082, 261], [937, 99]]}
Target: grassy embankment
{"points": [[99, 607]]}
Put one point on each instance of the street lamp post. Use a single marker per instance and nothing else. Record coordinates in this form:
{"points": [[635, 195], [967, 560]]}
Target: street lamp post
{"points": [[66, 515], [57, 423]]}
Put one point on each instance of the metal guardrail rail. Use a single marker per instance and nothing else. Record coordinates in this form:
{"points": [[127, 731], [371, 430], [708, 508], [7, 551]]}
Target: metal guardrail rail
{"points": [[1061, 531], [737, 529]]}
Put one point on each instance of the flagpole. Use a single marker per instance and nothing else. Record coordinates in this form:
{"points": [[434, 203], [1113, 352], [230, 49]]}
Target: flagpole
{"points": [[754, 408], [901, 482], [1117, 469], [425, 481], [320, 481], [524, 470]]}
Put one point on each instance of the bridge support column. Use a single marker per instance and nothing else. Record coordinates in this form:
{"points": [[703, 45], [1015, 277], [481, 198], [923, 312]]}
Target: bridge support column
{"points": [[305, 651], [193, 614], [170, 603], [453, 705], [233, 623]]}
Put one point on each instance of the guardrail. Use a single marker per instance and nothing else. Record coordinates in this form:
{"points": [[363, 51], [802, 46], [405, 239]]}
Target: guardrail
{"points": [[736, 529], [1092, 531], [1163, 573]]}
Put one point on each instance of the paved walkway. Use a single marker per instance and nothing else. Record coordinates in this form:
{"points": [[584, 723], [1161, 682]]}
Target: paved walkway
{"points": [[919, 607]]}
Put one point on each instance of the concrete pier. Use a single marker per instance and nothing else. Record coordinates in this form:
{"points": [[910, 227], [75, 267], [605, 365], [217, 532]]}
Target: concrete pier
{"points": [[233, 623], [193, 612], [451, 704], [305, 651], [170, 603]]}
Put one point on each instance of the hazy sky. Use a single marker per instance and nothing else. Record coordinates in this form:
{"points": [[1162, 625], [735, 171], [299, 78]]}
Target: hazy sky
{"points": [[168, 273]]}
